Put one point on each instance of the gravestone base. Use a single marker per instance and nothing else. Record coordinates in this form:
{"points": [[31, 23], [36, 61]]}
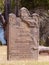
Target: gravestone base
{"points": [[20, 42]]}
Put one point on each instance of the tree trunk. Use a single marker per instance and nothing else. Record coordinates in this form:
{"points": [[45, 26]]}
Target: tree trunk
{"points": [[17, 3], [7, 9]]}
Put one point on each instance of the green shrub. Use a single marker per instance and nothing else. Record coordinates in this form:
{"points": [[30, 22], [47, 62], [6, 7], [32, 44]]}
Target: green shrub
{"points": [[1, 6], [41, 42], [0, 43], [30, 4]]}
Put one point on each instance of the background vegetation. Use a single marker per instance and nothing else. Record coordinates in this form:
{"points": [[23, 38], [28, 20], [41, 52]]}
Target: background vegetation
{"points": [[1, 6], [31, 5]]}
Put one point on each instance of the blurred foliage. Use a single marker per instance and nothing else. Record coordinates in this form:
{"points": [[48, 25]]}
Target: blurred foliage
{"points": [[1, 6], [47, 42], [12, 5], [30, 4], [41, 42], [0, 43]]}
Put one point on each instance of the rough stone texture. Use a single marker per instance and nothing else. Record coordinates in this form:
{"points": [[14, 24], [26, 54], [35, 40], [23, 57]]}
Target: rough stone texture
{"points": [[33, 23], [22, 40]]}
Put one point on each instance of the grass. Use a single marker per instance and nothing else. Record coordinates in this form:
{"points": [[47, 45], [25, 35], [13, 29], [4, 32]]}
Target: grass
{"points": [[43, 60], [25, 63]]}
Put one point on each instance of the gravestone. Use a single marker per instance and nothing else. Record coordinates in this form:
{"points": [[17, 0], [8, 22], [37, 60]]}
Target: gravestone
{"points": [[21, 44]]}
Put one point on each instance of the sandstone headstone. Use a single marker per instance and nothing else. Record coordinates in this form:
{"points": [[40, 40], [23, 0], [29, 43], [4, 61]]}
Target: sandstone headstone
{"points": [[21, 43], [33, 23]]}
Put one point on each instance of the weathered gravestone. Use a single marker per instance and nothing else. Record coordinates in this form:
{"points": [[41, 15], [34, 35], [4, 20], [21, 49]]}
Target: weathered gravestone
{"points": [[22, 44]]}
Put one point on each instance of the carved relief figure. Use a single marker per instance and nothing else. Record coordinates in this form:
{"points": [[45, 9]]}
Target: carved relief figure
{"points": [[33, 23]]}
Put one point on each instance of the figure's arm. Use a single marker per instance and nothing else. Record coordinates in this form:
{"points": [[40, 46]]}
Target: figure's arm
{"points": [[29, 20]]}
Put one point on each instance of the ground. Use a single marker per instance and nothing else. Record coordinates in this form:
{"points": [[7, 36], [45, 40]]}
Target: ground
{"points": [[42, 60]]}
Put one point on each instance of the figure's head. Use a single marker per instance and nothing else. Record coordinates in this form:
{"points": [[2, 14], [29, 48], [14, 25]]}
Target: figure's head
{"points": [[24, 12]]}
